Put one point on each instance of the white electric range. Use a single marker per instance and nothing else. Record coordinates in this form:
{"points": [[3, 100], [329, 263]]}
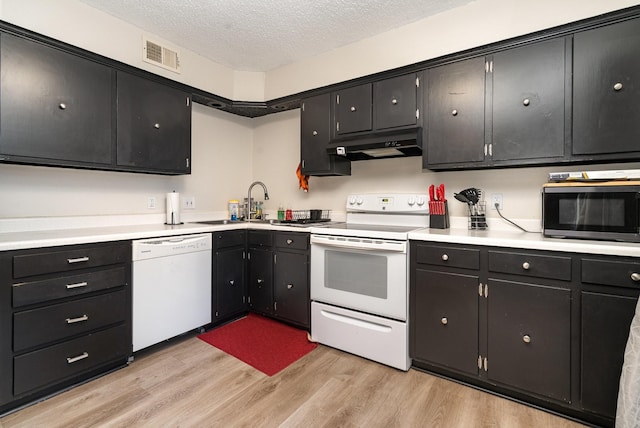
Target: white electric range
{"points": [[359, 277]]}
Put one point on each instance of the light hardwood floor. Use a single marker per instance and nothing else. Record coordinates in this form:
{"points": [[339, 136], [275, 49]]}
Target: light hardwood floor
{"points": [[192, 384]]}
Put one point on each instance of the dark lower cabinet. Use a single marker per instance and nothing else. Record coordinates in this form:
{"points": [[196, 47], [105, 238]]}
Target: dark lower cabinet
{"points": [[444, 311], [65, 316], [544, 327], [261, 280], [229, 293], [291, 286], [529, 338]]}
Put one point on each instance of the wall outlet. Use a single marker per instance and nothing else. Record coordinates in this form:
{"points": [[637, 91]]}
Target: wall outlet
{"points": [[496, 198], [189, 203], [151, 202]]}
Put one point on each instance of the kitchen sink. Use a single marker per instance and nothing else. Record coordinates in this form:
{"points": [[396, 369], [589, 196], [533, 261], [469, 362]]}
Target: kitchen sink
{"points": [[227, 221]]}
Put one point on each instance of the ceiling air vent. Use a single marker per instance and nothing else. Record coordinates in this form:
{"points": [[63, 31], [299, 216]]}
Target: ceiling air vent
{"points": [[155, 53]]}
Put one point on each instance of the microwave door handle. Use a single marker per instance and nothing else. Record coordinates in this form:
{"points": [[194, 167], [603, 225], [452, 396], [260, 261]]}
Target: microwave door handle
{"points": [[357, 244]]}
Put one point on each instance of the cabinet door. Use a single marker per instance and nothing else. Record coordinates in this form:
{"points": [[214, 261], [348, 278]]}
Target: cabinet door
{"points": [[55, 107], [455, 132], [395, 102], [606, 88], [315, 133], [605, 328], [444, 315], [291, 287], [260, 280], [353, 110], [528, 102], [154, 126], [529, 338], [229, 283]]}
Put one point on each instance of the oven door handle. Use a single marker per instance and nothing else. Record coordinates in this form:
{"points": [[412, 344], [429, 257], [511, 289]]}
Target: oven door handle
{"points": [[360, 243]]}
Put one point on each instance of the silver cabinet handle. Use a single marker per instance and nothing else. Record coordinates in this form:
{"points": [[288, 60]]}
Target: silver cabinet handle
{"points": [[78, 260], [62, 106], [289, 286], [454, 112], [526, 102], [353, 108], [157, 126], [526, 338], [77, 285], [71, 360], [635, 277], [444, 321], [231, 282], [617, 86], [394, 101], [85, 317], [289, 241], [526, 265], [315, 133], [445, 257]]}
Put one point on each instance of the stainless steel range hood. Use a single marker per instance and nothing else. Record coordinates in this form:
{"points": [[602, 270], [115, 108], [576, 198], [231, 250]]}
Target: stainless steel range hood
{"points": [[388, 144]]}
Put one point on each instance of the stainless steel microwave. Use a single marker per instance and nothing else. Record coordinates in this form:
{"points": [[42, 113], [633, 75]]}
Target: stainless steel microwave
{"points": [[606, 211]]}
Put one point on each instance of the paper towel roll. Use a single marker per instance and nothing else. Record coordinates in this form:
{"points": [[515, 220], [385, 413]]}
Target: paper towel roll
{"points": [[173, 208]]}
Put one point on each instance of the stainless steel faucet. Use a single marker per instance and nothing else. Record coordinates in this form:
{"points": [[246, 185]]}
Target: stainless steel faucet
{"points": [[266, 197]]}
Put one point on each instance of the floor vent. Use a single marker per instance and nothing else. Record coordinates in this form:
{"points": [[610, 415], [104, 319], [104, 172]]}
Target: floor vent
{"points": [[155, 53]]}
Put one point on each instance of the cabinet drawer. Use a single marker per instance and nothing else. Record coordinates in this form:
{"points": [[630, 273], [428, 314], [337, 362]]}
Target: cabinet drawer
{"points": [[609, 272], [65, 360], [260, 238], [27, 293], [534, 265], [44, 325], [228, 239], [69, 259], [293, 240], [447, 256]]}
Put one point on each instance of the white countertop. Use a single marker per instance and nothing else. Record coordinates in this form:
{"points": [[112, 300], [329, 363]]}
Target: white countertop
{"points": [[52, 238], [525, 240]]}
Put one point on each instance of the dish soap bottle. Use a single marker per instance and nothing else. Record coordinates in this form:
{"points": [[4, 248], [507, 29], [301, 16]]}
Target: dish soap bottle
{"points": [[259, 210], [280, 212]]}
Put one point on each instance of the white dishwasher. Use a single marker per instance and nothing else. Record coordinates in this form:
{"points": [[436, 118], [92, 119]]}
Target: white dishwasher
{"points": [[171, 287]]}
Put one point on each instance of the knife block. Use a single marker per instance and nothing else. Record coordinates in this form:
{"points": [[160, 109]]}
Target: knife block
{"points": [[440, 221]]}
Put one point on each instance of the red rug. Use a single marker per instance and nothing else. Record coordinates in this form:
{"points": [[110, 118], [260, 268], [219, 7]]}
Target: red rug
{"points": [[263, 343]]}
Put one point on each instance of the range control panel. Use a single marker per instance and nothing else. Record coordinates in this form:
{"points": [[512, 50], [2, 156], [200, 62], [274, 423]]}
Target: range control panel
{"points": [[389, 202]]}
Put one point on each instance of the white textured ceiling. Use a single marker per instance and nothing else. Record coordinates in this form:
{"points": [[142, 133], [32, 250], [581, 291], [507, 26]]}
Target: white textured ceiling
{"points": [[259, 35]]}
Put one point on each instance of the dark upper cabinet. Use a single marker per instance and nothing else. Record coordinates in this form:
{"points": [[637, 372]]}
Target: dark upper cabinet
{"points": [[315, 134], [606, 88], [154, 126], [507, 108], [380, 106], [455, 129], [55, 108], [528, 103]]}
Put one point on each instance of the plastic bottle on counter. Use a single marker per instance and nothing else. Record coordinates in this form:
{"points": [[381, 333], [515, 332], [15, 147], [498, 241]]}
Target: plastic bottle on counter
{"points": [[259, 210], [234, 206], [288, 215], [280, 212]]}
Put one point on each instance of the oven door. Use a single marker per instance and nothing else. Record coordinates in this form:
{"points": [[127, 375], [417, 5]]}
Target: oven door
{"points": [[365, 274]]}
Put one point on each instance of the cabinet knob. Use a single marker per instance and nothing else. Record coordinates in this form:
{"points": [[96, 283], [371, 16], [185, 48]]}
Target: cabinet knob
{"points": [[617, 86], [526, 265], [314, 133], [526, 102], [394, 101], [444, 320], [231, 282], [353, 108], [635, 277], [157, 126], [62, 106], [289, 241], [454, 112], [445, 257], [526, 338], [260, 281], [289, 286]]}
